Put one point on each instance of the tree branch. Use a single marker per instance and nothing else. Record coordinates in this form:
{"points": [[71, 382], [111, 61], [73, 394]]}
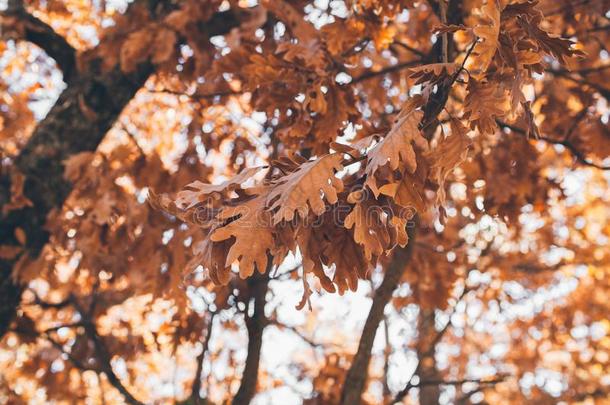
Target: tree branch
{"points": [[358, 371], [603, 91], [295, 331], [580, 156], [387, 352], [195, 396], [409, 48], [101, 351], [258, 285], [20, 24], [390, 69], [495, 380], [426, 351]]}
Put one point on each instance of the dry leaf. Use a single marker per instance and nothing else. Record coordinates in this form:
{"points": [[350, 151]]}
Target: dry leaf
{"points": [[305, 189]]}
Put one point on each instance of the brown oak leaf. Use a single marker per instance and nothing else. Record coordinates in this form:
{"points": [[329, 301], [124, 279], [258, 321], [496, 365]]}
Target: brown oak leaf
{"points": [[250, 225], [302, 189]]}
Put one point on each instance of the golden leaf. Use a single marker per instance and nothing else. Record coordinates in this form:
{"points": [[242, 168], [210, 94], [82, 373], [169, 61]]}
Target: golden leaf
{"points": [[489, 32], [302, 189], [367, 220], [197, 191], [212, 256], [251, 227], [408, 191], [397, 148], [483, 104], [347, 256], [449, 153]]}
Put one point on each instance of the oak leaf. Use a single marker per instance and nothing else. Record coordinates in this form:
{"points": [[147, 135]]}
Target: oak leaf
{"points": [[449, 153], [212, 256], [529, 19], [368, 223], [250, 225], [311, 241], [197, 191], [488, 32], [348, 258], [483, 104], [306, 188], [397, 149], [434, 72], [407, 192]]}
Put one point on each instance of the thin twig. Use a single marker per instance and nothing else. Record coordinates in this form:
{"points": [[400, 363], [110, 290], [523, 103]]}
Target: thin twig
{"points": [[297, 332], [196, 398], [580, 156], [390, 69], [479, 381], [196, 96], [409, 48]]}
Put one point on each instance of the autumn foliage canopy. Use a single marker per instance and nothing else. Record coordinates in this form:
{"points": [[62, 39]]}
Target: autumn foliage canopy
{"points": [[290, 201]]}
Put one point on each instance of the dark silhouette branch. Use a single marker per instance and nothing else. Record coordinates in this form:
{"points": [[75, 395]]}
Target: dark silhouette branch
{"points": [[465, 399], [495, 380], [426, 354], [578, 155], [390, 69], [196, 96], [195, 396], [601, 90], [387, 352], [409, 48], [297, 332], [102, 353], [358, 371], [257, 285], [19, 24]]}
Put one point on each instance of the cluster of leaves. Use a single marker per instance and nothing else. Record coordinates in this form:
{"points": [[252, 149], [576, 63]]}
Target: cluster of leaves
{"points": [[348, 220], [289, 208]]}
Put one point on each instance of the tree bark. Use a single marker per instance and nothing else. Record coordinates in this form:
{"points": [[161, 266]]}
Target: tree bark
{"points": [[358, 372], [426, 350], [255, 324], [83, 114], [77, 123]]}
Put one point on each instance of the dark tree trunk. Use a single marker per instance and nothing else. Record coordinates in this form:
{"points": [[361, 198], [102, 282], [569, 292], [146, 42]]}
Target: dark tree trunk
{"points": [[83, 114], [77, 123]]}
